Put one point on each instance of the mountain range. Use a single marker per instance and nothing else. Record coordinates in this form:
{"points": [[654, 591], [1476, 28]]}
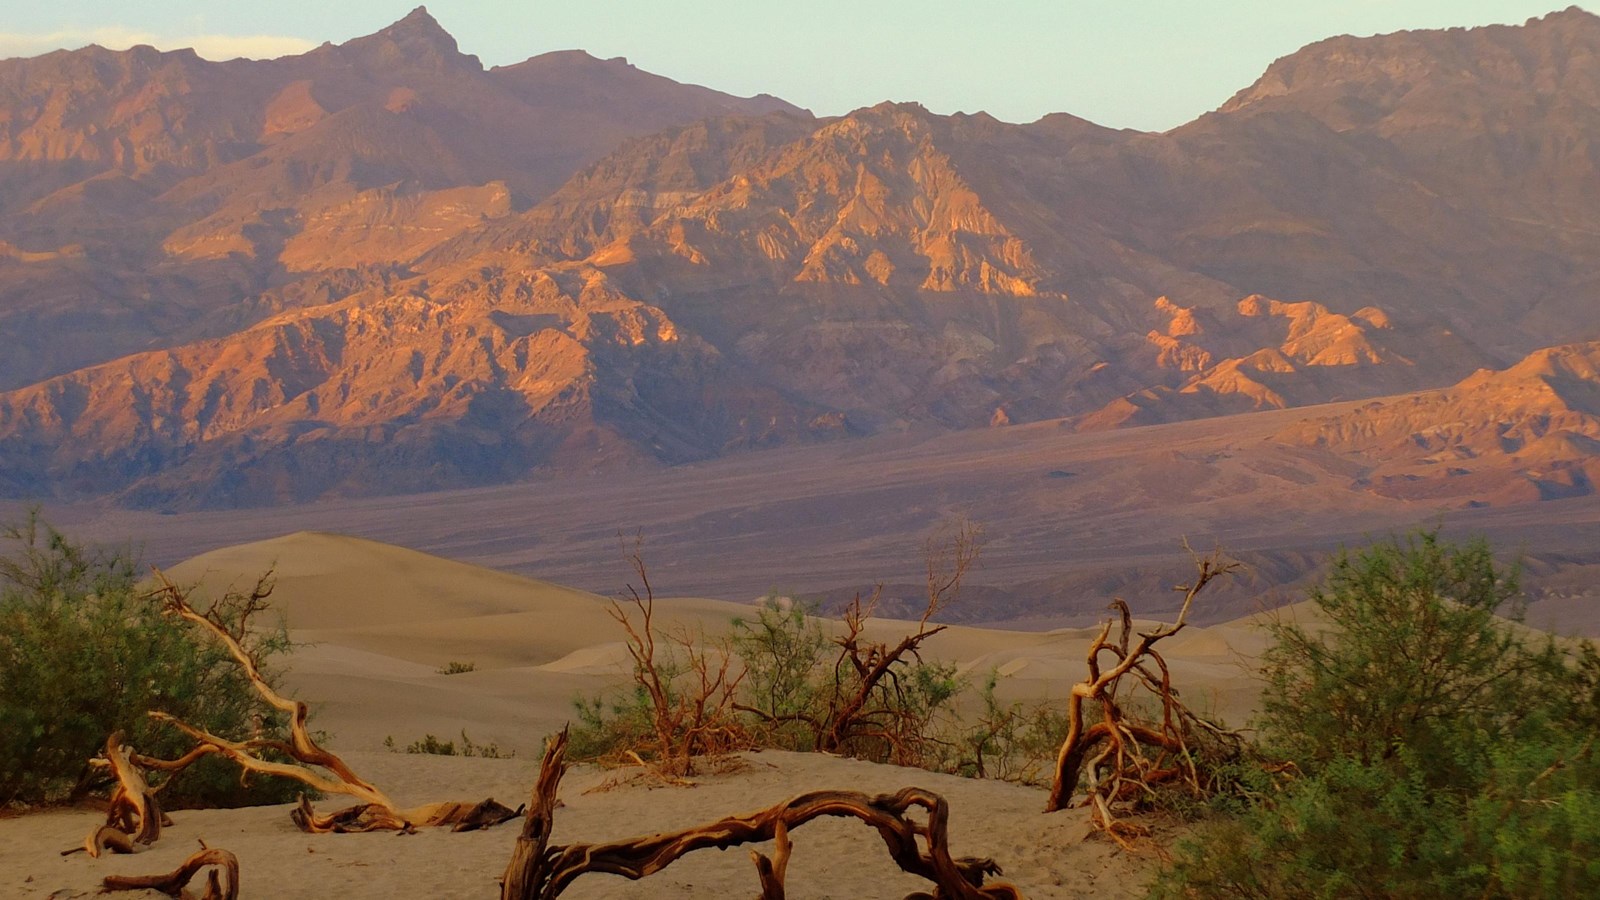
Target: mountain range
{"points": [[380, 267]]}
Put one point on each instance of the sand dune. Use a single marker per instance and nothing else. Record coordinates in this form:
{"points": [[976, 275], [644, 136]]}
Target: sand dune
{"points": [[376, 622]]}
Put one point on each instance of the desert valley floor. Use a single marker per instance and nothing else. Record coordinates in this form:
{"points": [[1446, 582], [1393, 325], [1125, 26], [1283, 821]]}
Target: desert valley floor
{"points": [[1070, 519]]}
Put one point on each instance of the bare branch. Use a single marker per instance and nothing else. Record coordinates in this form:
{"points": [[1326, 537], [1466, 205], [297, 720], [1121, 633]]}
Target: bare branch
{"points": [[541, 871], [1109, 755]]}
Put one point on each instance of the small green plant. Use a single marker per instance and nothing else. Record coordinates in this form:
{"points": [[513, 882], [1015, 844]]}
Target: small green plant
{"points": [[784, 649], [433, 746], [780, 680], [1014, 741], [457, 668]]}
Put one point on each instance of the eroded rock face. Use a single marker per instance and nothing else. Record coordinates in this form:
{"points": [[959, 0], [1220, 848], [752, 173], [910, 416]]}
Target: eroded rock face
{"points": [[390, 391], [1273, 355], [1529, 432], [189, 186], [372, 267]]}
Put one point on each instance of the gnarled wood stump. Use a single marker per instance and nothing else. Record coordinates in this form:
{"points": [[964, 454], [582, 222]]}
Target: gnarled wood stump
{"points": [[1110, 754], [134, 817]]}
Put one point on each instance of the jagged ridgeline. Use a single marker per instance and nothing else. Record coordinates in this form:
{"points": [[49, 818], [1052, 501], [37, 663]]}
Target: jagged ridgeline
{"points": [[380, 266]]}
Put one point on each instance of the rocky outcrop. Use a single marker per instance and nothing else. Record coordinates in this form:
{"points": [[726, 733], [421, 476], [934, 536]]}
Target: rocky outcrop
{"points": [[194, 185], [1269, 354], [1531, 431], [400, 391]]}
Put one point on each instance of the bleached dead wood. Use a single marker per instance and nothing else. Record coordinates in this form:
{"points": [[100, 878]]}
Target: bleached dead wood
{"points": [[374, 812], [773, 870], [133, 817]]}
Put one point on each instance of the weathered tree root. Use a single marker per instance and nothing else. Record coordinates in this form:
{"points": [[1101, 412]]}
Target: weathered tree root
{"points": [[222, 877], [541, 871], [772, 871], [368, 817]]}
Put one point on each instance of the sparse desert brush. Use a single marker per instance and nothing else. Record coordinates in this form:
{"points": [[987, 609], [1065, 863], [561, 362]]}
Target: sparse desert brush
{"points": [[779, 680], [1015, 741], [83, 654], [1442, 750], [680, 705], [433, 746]]}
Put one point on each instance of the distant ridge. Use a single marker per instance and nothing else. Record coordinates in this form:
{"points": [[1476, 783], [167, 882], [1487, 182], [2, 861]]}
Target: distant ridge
{"points": [[379, 266], [184, 182]]}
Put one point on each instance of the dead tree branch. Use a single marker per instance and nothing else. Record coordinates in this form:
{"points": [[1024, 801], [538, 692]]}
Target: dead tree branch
{"points": [[222, 877], [865, 668], [773, 870], [1118, 758], [539, 870], [134, 817], [692, 684], [375, 812]]}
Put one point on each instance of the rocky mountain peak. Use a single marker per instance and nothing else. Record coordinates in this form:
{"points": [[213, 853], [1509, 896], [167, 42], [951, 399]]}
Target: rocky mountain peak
{"points": [[1572, 16], [416, 40], [1349, 81]]}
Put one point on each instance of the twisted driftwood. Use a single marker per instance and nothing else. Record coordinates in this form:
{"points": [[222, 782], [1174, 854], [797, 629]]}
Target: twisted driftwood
{"points": [[539, 870], [1109, 754], [222, 877], [374, 812], [134, 817]]}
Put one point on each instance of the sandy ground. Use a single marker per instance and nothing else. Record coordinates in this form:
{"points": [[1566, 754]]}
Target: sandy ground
{"points": [[377, 622], [1044, 855]]}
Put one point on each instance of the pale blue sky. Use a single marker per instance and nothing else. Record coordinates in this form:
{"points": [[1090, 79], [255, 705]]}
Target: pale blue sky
{"points": [[1149, 64]]}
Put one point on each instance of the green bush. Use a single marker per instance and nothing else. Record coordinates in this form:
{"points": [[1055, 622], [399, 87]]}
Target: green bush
{"points": [[1014, 741], [798, 681], [83, 654], [783, 648], [787, 681], [1443, 751], [609, 725]]}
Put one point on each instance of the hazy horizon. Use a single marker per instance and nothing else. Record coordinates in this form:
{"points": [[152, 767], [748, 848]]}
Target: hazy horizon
{"points": [[1151, 64]]}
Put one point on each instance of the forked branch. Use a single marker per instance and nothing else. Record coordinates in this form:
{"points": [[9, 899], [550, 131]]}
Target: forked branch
{"points": [[866, 667]]}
